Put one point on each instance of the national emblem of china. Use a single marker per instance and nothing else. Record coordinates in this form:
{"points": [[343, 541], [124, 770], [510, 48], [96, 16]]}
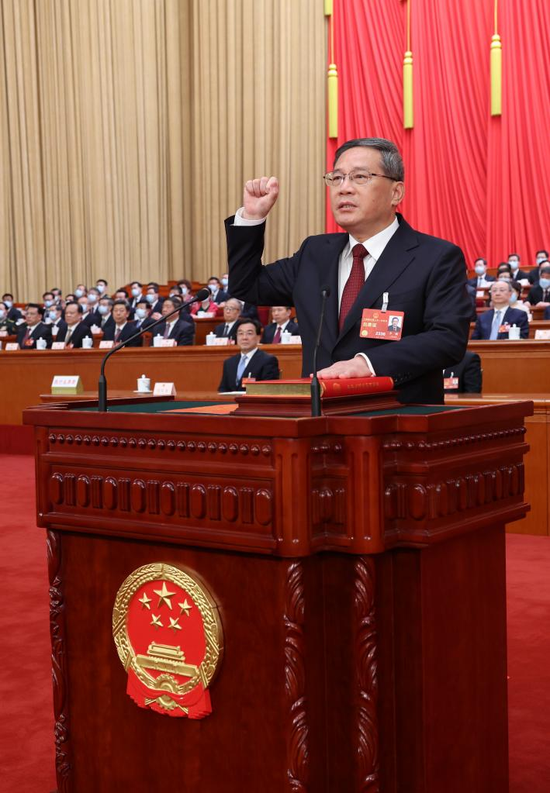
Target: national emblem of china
{"points": [[169, 639]]}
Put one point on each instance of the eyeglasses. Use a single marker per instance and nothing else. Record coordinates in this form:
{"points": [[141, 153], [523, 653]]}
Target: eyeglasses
{"points": [[360, 178]]}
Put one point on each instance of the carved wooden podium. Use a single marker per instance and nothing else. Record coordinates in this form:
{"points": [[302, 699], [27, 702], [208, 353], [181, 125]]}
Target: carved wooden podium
{"points": [[358, 566]]}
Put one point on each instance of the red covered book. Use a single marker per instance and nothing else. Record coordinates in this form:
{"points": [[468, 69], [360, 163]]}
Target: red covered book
{"points": [[340, 387]]}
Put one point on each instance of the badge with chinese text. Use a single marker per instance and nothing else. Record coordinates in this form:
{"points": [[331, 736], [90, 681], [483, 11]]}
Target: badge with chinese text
{"points": [[378, 324], [168, 636]]}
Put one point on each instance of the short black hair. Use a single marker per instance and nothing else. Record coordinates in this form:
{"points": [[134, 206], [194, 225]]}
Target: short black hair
{"points": [[214, 278], [391, 160], [153, 285], [137, 283], [517, 286], [504, 266], [120, 302], [102, 281], [36, 305], [176, 301], [122, 290], [543, 251], [7, 294], [249, 321], [74, 303], [481, 259], [143, 303], [514, 254]]}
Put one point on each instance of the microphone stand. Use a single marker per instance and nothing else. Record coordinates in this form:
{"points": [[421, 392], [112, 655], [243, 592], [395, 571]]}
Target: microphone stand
{"points": [[315, 384], [201, 295]]}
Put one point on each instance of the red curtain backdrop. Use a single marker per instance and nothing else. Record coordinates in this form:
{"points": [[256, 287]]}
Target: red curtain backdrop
{"points": [[476, 180]]}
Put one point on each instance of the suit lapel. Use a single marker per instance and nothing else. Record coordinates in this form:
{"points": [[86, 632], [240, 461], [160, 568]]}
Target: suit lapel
{"points": [[397, 255], [328, 276]]}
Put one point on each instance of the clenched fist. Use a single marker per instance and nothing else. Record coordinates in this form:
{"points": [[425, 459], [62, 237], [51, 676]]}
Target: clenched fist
{"points": [[259, 197]]}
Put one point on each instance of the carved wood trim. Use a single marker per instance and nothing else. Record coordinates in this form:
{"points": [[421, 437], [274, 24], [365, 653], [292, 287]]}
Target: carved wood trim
{"points": [[297, 729], [63, 758], [366, 666]]}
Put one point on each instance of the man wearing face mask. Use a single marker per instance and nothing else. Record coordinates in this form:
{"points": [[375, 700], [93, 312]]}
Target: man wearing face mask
{"points": [[80, 291], [103, 318], [48, 300], [102, 287], [7, 326], [514, 262], [143, 315], [54, 319], [13, 313], [87, 317], [504, 272], [540, 257], [137, 294], [539, 295], [218, 295], [481, 279], [154, 300]]}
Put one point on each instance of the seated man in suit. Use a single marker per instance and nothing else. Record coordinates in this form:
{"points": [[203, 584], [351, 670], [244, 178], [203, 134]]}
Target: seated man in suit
{"points": [[153, 298], [469, 375], [142, 314], [481, 279], [103, 317], [33, 328], [54, 318], [494, 324], [76, 329], [123, 327], [218, 294], [6, 325], [247, 309], [231, 313], [13, 313], [251, 362], [539, 295], [514, 262], [540, 258], [281, 322], [179, 326]]}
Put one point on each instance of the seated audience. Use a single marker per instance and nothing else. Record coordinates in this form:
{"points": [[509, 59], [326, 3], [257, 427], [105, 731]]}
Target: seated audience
{"points": [[93, 299], [208, 306], [539, 295], [186, 289], [155, 301], [102, 287], [540, 257], [6, 325], [48, 300], [504, 272], [136, 290], [122, 328], [517, 302], [179, 327], [103, 317], [142, 315], [218, 295], [13, 312], [469, 375], [76, 329], [481, 279], [494, 324], [87, 316], [33, 328], [80, 291], [251, 362], [54, 318], [514, 262], [231, 313], [282, 321]]}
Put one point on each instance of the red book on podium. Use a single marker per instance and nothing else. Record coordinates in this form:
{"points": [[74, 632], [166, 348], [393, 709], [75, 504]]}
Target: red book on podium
{"points": [[338, 397]]}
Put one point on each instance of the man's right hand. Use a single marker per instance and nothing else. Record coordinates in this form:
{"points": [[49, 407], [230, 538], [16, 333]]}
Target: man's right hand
{"points": [[259, 197]]}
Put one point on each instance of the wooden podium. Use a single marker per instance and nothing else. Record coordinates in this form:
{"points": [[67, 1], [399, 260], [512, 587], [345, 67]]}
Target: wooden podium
{"points": [[358, 566]]}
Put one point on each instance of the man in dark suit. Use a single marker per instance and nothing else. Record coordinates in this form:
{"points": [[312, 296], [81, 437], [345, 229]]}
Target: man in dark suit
{"points": [[122, 328], [251, 362], [33, 328], [282, 322], [469, 375], [143, 315], [517, 273], [481, 279], [154, 300], [231, 313], [394, 265], [215, 286], [179, 326], [539, 295], [76, 329], [13, 313], [494, 324], [541, 257]]}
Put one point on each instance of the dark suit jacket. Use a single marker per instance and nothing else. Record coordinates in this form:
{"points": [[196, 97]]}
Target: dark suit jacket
{"points": [[219, 331], [262, 366], [469, 374], [425, 278], [221, 296], [81, 330], [269, 332], [183, 332], [41, 331], [533, 276], [473, 281], [546, 314], [536, 295], [14, 314], [128, 330], [512, 316]]}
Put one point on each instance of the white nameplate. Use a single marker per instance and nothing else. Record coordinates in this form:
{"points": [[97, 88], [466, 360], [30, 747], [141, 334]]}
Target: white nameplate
{"points": [[164, 389], [12, 345], [542, 334], [58, 345], [165, 342], [289, 339], [220, 341], [3, 333], [67, 384], [106, 345]]}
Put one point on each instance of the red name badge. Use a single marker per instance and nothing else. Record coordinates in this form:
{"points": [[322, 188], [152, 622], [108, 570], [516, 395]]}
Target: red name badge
{"points": [[378, 324], [450, 383], [504, 328]]}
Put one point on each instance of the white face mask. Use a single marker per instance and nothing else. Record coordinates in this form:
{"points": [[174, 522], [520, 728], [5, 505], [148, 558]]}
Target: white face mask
{"points": [[480, 269], [184, 290], [92, 298], [2, 313], [53, 315], [514, 265], [103, 310], [513, 298], [213, 288], [225, 281], [540, 259], [78, 293], [101, 288], [141, 313], [136, 291], [8, 303]]}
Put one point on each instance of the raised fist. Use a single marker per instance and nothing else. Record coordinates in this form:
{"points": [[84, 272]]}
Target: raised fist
{"points": [[259, 197]]}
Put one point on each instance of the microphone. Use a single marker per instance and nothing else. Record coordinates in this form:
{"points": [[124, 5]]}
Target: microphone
{"points": [[201, 295], [315, 385]]}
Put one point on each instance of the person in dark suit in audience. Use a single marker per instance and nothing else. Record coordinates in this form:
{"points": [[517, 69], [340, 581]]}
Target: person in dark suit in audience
{"points": [[231, 313], [514, 262], [539, 295], [76, 329], [179, 327], [13, 313], [251, 362], [469, 374], [546, 314], [123, 327], [154, 300], [494, 324], [247, 309], [143, 315], [33, 328], [540, 258], [54, 318], [282, 321], [481, 279], [103, 317], [136, 290], [6, 325], [219, 296]]}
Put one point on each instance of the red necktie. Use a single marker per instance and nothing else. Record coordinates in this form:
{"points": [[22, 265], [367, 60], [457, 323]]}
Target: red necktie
{"points": [[167, 330], [277, 336], [117, 335], [354, 284]]}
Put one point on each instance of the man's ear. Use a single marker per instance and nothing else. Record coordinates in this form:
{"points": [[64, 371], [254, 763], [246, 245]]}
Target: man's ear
{"points": [[398, 193]]}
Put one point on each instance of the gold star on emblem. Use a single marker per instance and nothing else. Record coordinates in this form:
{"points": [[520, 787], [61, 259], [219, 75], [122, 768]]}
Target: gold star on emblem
{"points": [[164, 595], [145, 601], [185, 606], [155, 622], [174, 625]]}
